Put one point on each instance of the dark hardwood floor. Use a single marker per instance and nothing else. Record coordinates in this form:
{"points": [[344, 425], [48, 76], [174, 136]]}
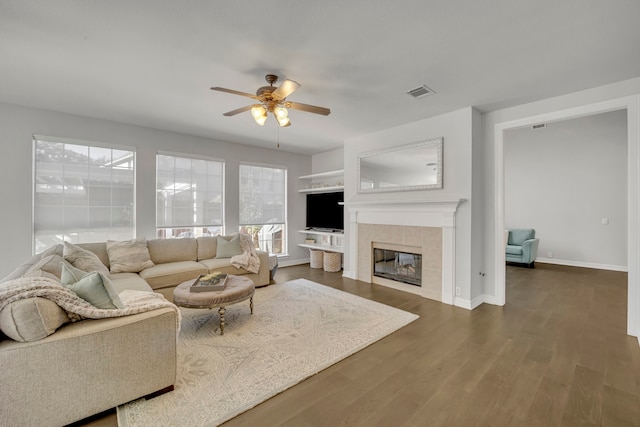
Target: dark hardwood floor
{"points": [[556, 354]]}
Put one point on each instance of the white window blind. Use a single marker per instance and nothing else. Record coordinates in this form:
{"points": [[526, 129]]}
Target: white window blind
{"points": [[82, 192], [190, 196], [262, 195]]}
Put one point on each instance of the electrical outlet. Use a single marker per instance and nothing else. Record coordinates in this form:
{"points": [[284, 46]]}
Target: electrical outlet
{"points": [[549, 254], [457, 291]]}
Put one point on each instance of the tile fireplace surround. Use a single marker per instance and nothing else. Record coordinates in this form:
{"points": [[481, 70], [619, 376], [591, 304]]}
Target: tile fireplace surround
{"points": [[426, 227]]}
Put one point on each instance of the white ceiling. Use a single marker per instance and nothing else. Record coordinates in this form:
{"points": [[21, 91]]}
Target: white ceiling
{"points": [[152, 62]]}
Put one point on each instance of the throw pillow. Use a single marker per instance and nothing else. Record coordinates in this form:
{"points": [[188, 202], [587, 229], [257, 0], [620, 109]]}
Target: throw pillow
{"points": [[22, 269], [31, 319], [131, 256], [83, 259], [93, 287], [51, 264], [228, 248]]}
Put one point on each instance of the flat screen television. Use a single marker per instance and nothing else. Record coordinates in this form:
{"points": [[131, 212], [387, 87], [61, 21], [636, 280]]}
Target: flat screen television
{"points": [[324, 212]]}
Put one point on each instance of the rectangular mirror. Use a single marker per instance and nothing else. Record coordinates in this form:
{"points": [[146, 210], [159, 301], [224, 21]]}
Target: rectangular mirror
{"points": [[416, 166]]}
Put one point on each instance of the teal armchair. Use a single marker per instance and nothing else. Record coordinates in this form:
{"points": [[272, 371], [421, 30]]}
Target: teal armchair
{"points": [[522, 246]]}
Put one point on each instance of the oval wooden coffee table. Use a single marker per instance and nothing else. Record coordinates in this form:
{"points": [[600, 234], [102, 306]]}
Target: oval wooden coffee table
{"points": [[237, 289]]}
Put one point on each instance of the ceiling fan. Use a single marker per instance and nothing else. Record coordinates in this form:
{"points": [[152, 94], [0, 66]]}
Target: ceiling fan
{"points": [[273, 100]]}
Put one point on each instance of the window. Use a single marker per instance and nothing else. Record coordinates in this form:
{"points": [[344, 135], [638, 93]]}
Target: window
{"points": [[82, 192], [189, 196], [263, 206]]}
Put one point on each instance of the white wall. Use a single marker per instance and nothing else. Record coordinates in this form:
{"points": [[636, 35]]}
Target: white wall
{"points": [[18, 124], [563, 180], [328, 161], [456, 128]]}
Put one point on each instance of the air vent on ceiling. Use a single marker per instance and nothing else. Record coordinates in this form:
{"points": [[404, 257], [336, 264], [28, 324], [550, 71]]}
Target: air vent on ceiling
{"points": [[420, 92], [539, 126]]}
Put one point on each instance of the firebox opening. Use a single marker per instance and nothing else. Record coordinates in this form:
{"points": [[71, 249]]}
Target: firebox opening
{"points": [[399, 266]]}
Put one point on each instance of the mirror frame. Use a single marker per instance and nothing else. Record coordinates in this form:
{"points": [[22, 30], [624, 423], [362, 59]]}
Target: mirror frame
{"points": [[435, 142]]}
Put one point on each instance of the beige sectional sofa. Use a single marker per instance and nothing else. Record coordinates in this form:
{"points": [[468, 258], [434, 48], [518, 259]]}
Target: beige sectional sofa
{"points": [[89, 366], [178, 260]]}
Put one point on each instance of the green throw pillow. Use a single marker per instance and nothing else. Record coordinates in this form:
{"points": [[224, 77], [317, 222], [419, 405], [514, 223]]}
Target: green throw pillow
{"points": [[93, 287], [228, 248]]}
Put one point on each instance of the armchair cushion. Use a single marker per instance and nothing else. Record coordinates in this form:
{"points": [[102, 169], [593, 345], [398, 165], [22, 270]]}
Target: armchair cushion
{"points": [[518, 236]]}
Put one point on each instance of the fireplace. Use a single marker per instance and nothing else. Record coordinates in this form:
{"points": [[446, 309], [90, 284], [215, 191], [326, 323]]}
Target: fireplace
{"points": [[425, 227], [404, 267]]}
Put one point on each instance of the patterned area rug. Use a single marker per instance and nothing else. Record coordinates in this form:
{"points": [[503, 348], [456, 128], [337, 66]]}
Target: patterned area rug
{"points": [[298, 329]]}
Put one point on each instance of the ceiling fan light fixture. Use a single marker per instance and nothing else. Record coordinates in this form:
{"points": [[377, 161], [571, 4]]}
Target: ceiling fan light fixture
{"points": [[272, 100], [281, 113], [259, 114], [284, 121]]}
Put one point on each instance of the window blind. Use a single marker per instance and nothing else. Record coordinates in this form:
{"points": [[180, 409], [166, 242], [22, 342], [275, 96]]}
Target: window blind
{"points": [[262, 195]]}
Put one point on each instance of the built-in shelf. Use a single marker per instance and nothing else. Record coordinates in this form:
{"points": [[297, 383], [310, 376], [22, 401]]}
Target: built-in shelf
{"points": [[324, 185], [330, 241], [323, 189], [329, 174]]}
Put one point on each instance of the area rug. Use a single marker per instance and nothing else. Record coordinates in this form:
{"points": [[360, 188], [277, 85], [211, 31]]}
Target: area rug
{"points": [[298, 328]]}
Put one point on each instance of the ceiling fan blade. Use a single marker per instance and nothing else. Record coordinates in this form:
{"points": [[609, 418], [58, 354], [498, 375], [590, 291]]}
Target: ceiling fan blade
{"points": [[285, 89], [308, 108], [238, 111], [234, 92]]}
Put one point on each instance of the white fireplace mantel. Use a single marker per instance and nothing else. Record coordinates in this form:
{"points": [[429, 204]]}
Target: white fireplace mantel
{"points": [[421, 213]]}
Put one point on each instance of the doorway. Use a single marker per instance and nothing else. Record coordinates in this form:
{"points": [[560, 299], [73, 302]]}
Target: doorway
{"points": [[630, 105]]}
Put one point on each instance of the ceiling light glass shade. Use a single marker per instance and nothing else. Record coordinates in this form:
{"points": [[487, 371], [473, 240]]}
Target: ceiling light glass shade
{"points": [[281, 113], [284, 122], [259, 114]]}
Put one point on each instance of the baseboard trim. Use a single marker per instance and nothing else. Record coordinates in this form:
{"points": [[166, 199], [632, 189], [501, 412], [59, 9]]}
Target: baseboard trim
{"points": [[490, 299], [468, 304], [571, 263], [292, 262], [348, 274]]}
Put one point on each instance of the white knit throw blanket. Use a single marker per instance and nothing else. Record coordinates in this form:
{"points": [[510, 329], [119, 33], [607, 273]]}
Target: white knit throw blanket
{"points": [[248, 259], [78, 309]]}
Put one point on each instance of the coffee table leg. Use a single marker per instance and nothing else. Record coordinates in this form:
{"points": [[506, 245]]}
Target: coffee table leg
{"points": [[251, 304], [222, 312]]}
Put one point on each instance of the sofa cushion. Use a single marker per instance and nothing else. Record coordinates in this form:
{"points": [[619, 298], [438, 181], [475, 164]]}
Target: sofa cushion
{"points": [[93, 287], [172, 273], [133, 281], [31, 319], [172, 250], [519, 235], [83, 259], [514, 250], [222, 265], [228, 246], [130, 256], [207, 247], [22, 269]]}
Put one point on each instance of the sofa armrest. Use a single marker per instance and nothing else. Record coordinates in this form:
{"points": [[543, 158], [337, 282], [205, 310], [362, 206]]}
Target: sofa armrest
{"points": [[263, 273], [530, 250], [95, 364]]}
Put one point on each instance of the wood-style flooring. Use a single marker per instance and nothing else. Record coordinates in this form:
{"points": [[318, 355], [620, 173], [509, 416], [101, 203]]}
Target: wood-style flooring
{"points": [[556, 354]]}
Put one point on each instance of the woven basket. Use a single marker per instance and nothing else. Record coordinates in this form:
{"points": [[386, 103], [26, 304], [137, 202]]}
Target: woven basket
{"points": [[332, 261], [315, 258]]}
